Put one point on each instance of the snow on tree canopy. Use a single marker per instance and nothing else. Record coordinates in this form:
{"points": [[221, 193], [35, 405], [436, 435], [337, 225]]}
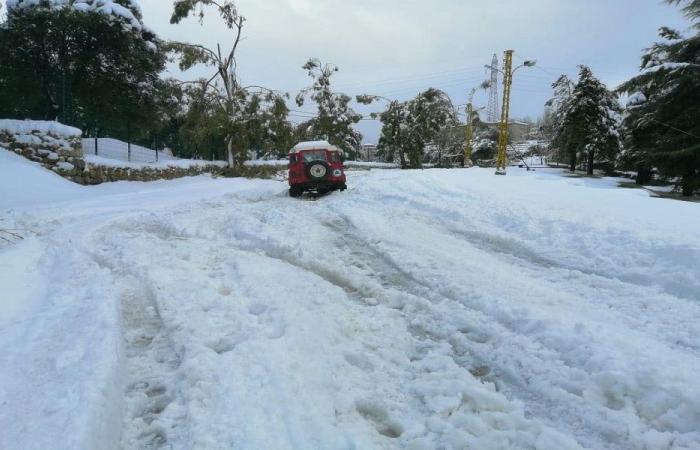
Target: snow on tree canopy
{"points": [[636, 99], [126, 11], [667, 66]]}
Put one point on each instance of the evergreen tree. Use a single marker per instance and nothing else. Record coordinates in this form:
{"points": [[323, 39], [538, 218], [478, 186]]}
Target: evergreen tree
{"points": [[408, 127], [335, 118], [555, 114], [82, 63], [663, 131], [391, 138], [429, 113], [587, 122]]}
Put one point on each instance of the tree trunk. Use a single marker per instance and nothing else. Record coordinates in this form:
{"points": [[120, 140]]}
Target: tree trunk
{"points": [[643, 175], [689, 183], [402, 157], [572, 161], [229, 150], [589, 166]]}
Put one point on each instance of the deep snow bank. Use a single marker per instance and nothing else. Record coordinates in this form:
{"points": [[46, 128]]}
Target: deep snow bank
{"points": [[60, 382], [26, 183]]}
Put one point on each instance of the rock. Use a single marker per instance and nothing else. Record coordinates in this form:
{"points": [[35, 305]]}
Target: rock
{"points": [[28, 139], [68, 152], [52, 156], [79, 163], [65, 166]]}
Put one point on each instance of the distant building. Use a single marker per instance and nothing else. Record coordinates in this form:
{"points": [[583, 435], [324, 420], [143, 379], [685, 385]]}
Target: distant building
{"points": [[368, 152], [517, 131]]}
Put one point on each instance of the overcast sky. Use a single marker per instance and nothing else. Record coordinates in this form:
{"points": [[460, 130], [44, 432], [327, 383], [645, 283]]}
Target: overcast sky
{"points": [[397, 48]]}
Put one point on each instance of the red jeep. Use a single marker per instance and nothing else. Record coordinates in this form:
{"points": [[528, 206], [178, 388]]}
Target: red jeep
{"points": [[315, 166]]}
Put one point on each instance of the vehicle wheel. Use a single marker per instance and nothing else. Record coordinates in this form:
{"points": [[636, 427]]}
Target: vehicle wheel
{"points": [[295, 191], [318, 170]]}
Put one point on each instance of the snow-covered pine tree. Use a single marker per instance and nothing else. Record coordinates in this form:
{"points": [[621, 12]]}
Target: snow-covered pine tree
{"points": [[393, 126], [590, 124], [663, 131], [556, 110]]}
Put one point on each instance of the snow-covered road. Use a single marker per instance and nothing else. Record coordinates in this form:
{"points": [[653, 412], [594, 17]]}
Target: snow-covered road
{"points": [[423, 310]]}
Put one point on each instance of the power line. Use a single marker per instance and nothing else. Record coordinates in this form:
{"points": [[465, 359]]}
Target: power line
{"points": [[450, 83], [396, 80], [674, 128]]}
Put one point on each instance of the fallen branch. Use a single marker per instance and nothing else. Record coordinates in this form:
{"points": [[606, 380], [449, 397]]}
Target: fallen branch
{"points": [[11, 234]]}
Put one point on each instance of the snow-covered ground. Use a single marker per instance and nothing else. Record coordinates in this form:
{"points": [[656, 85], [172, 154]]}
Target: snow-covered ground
{"points": [[26, 127], [426, 309], [347, 164], [93, 160]]}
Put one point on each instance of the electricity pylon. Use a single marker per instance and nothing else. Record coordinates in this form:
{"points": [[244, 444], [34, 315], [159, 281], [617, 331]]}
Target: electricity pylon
{"points": [[492, 111]]}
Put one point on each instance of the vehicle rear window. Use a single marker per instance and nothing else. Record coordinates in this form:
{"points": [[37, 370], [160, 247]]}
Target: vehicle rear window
{"points": [[314, 156], [335, 157]]}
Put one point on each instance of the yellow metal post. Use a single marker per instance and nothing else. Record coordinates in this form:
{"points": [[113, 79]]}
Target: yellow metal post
{"points": [[502, 158], [469, 136]]}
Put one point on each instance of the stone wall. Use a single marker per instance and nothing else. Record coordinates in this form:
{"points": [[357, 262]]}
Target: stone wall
{"points": [[64, 155], [61, 154], [96, 174]]}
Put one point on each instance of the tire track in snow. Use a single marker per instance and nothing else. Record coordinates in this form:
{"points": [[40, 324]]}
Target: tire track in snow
{"points": [[514, 251], [151, 364], [426, 324], [492, 341], [480, 341], [607, 418], [151, 361]]}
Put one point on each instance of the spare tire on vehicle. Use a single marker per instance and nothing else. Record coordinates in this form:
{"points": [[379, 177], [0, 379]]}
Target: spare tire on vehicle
{"points": [[318, 170]]}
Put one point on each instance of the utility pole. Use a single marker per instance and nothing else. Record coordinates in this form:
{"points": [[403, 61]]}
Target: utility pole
{"points": [[470, 134], [507, 72], [502, 159]]}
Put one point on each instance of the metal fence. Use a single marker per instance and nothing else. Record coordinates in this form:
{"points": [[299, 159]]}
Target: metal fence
{"points": [[123, 151]]}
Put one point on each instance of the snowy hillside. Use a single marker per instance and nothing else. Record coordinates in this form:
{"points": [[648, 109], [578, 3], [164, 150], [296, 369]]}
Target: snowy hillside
{"points": [[420, 309]]}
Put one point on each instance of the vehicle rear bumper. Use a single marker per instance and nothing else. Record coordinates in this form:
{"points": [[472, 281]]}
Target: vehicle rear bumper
{"points": [[331, 185]]}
